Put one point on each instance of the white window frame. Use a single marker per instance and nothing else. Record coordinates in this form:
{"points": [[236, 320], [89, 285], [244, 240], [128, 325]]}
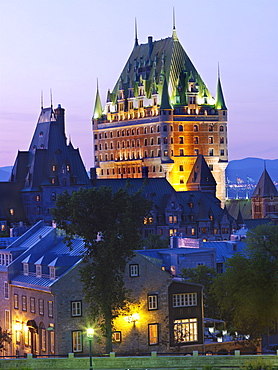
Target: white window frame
{"points": [[24, 303], [184, 299], [25, 269], [32, 305], [52, 274], [152, 302], [134, 270], [77, 343], [38, 271], [7, 320], [76, 308]]}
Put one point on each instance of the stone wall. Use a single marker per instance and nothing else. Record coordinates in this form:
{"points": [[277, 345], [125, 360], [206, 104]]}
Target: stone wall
{"points": [[139, 363]]}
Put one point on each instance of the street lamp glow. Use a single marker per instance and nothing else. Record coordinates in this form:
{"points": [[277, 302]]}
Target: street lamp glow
{"points": [[90, 333]]}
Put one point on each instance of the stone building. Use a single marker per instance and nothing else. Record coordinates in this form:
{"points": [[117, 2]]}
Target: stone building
{"points": [[265, 199], [43, 303], [159, 116]]}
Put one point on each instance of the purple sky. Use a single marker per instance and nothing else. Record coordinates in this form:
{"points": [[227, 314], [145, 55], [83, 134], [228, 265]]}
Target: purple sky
{"points": [[65, 45]]}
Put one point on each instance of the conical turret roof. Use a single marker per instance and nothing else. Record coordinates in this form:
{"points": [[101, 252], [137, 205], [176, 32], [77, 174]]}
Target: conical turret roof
{"points": [[98, 108]]}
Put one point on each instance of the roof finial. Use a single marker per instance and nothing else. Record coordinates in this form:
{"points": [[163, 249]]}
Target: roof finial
{"points": [[51, 98], [41, 99], [218, 71], [174, 33], [136, 38]]}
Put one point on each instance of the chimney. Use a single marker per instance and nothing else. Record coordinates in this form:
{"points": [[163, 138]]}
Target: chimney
{"points": [[93, 176], [60, 117], [150, 43]]}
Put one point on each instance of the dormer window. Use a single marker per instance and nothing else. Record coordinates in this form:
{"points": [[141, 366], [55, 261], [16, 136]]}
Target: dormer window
{"points": [[11, 211], [25, 269], [38, 271], [53, 168], [52, 273], [38, 198], [68, 168]]}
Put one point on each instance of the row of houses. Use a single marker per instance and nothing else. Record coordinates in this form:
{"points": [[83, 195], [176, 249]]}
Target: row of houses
{"points": [[43, 301]]}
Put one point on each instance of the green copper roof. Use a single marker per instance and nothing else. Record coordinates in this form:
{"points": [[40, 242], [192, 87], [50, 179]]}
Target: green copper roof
{"points": [[220, 102], [165, 104], [98, 108], [150, 63]]}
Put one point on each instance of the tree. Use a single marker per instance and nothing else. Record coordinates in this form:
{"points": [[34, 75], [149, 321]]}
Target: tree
{"points": [[4, 338], [110, 225], [203, 275], [247, 292], [155, 241]]}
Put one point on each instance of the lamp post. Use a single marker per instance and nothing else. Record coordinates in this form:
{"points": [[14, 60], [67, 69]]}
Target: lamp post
{"points": [[90, 334]]}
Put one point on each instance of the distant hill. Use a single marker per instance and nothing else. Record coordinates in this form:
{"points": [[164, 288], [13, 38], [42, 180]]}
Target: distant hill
{"points": [[253, 168], [5, 173]]}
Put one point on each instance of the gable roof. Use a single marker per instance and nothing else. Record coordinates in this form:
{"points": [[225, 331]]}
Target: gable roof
{"points": [[201, 177]]}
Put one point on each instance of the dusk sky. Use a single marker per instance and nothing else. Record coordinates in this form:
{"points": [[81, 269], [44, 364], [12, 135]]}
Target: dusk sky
{"points": [[66, 45]]}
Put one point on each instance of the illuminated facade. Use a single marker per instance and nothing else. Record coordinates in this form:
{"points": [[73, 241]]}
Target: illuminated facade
{"points": [[159, 117]]}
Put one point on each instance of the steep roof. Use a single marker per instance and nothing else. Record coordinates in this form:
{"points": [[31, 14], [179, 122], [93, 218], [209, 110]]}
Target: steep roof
{"points": [[152, 62], [49, 155], [201, 177], [220, 101], [265, 186]]}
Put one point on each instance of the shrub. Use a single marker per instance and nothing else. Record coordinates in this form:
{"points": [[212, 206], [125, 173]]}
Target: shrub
{"points": [[258, 364]]}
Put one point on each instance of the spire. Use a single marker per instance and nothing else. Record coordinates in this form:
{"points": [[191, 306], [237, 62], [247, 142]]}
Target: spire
{"points": [[265, 186], [136, 39], [41, 99], [220, 101], [174, 33], [98, 108], [165, 104]]}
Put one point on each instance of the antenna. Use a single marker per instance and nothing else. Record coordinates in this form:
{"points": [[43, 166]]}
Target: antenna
{"points": [[51, 98], [174, 20], [41, 99], [218, 71]]}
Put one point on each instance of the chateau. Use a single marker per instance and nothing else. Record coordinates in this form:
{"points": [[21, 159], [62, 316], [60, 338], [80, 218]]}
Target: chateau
{"points": [[159, 117]]}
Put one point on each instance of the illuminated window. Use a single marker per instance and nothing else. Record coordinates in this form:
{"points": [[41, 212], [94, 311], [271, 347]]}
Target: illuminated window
{"points": [[133, 270], [117, 336], [52, 341], [24, 303], [16, 301], [77, 345], [153, 334], [196, 151], [195, 128], [185, 330], [50, 308], [210, 128], [195, 140], [184, 299], [211, 152], [53, 168], [7, 319], [11, 211], [175, 219], [32, 305], [210, 140], [43, 339], [193, 231], [152, 302], [76, 308], [221, 128], [170, 219], [181, 140]]}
